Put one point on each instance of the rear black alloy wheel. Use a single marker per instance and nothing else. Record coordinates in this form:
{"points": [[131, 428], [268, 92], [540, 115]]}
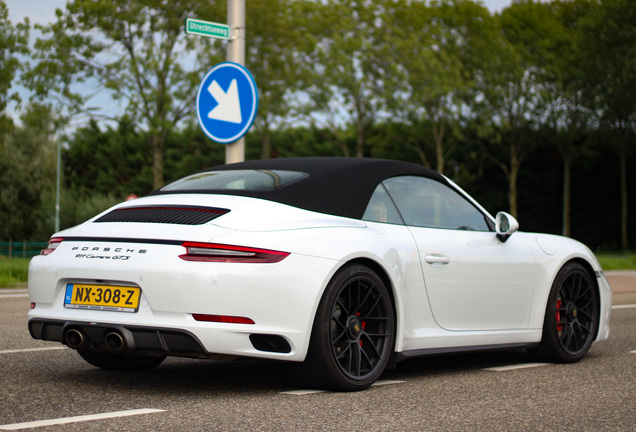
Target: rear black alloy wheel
{"points": [[572, 316], [353, 333]]}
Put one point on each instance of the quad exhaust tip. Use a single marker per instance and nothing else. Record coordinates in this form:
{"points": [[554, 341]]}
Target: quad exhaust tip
{"points": [[75, 338], [114, 341]]}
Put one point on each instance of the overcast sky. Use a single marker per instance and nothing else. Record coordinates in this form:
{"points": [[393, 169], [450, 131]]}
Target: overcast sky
{"points": [[43, 11], [38, 11]]}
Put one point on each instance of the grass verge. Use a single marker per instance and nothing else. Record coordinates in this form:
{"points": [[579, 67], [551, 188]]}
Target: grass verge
{"points": [[617, 260], [13, 272]]}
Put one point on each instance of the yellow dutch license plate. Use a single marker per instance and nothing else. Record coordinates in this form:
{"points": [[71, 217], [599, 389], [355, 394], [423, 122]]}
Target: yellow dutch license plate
{"points": [[102, 297]]}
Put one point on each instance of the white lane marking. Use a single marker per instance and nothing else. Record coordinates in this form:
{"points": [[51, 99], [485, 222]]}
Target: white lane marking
{"points": [[627, 306], [310, 391], [387, 382], [633, 352], [13, 295], [31, 350], [77, 419], [302, 392], [515, 367]]}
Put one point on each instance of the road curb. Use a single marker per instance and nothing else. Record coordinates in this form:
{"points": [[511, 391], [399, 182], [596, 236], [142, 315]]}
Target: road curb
{"points": [[622, 281]]}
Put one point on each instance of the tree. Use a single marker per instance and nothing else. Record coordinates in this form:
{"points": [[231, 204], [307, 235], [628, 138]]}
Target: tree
{"points": [[136, 51], [560, 60], [545, 34], [435, 47], [353, 71], [13, 42], [276, 37], [510, 105], [27, 171], [608, 45]]}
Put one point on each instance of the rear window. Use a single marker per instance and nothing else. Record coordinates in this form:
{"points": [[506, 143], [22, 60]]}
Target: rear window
{"points": [[247, 180]]}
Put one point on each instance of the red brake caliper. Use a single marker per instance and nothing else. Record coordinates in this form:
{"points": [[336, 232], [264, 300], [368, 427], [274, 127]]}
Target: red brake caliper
{"points": [[363, 325], [558, 315]]}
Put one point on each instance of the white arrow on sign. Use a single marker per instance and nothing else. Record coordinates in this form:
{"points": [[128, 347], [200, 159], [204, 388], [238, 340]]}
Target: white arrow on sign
{"points": [[229, 105]]}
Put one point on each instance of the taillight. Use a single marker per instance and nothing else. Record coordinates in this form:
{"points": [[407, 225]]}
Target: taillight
{"points": [[54, 242], [213, 252]]}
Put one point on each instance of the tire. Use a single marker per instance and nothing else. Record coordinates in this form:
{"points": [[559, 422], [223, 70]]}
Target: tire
{"points": [[120, 362], [353, 333], [571, 317]]}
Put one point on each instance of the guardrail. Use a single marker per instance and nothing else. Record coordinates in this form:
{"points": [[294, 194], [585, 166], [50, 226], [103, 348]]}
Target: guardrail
{"points": [[23, 249]]}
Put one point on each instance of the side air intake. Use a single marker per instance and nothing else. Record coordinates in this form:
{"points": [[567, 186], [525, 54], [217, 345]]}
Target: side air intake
{"points": [[180, 215]]}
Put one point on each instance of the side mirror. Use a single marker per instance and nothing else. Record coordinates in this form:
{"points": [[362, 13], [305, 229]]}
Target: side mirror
{"points": [[506, 225]]}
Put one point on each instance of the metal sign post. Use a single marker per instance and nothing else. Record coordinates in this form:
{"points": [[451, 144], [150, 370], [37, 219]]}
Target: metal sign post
{"points": [[224, 97], [58, 176], [235, 152]]}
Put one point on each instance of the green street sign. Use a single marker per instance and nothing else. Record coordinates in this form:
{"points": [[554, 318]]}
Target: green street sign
{"points": [[207, 29]]}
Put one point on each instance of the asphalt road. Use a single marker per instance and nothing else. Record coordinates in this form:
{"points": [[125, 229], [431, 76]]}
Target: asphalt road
{"points": [[43, 381]]}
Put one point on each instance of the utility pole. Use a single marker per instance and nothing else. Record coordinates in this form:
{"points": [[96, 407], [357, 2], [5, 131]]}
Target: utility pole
{"points": [[58, 182], [235, 152]]}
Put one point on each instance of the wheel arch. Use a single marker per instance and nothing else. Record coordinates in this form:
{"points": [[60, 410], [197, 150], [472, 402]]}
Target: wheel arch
{"points": [[384, 275], [376, 267]]}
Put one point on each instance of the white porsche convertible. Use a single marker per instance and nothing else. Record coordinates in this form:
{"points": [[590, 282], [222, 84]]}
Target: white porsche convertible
{"points": [[342, 265]]}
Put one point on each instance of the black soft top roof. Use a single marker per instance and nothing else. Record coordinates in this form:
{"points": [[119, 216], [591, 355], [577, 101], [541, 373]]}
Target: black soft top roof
{"points": [[336, 185]]}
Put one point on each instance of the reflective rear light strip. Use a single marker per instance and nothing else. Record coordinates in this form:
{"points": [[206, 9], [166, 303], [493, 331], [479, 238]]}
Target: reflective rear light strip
{"points": [[223, 319], [213, 252], [195, 251]]}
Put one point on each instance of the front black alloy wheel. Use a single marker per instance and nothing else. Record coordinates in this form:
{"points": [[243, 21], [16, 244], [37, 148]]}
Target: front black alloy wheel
{"points": [[354, 332], [572, 316]]}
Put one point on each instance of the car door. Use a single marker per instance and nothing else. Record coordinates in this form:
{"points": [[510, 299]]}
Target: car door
{"points": [[473, 280]]}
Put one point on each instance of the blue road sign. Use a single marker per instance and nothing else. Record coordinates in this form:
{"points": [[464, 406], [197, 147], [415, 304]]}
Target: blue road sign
{"points": [[227, 101]]}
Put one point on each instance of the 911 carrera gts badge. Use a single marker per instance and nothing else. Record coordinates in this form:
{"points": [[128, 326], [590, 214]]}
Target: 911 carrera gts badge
{"points": [[107, 253]]}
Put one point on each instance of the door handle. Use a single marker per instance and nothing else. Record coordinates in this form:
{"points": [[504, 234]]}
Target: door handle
{"points": [[437, 259]]}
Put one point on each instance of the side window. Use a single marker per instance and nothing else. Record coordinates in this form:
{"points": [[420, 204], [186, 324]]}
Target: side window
{"points": [[381, 208], [425, 202]]}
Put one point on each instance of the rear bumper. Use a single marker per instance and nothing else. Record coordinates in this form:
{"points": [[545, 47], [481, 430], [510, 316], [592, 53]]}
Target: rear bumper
{"points": [[134, 339]]}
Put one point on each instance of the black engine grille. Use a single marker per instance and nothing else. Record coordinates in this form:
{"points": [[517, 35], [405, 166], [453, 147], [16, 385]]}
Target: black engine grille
{"points": [[181, 215]]}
